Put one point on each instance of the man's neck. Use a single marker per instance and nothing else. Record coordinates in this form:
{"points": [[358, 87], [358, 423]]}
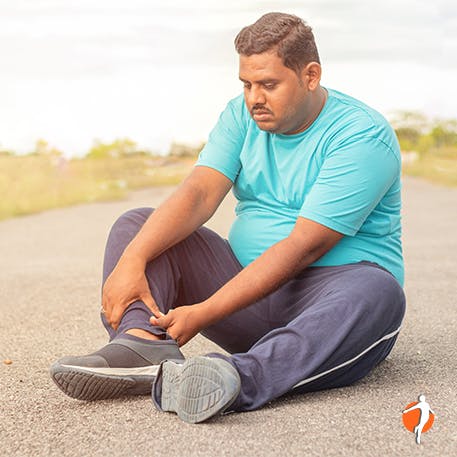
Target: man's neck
{"points": [[317, 103]]}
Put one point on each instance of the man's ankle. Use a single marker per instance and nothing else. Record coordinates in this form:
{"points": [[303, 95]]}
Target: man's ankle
{"points": [[140, 333]]}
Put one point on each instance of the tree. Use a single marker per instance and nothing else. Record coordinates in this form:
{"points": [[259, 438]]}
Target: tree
{"points": [[184, 150], [43, 148], [123, 147], [409, 127], [444, 133]]}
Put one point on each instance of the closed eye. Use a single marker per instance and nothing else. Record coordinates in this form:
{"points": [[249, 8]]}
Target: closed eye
{"points": [[266, 84]]}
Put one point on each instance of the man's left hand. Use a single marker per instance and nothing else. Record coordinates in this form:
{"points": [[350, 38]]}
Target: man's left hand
{"points": [[182, 323]]}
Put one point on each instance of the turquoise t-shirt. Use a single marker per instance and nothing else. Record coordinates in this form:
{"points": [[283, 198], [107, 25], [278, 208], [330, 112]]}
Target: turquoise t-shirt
{"points": [[342, 172]]}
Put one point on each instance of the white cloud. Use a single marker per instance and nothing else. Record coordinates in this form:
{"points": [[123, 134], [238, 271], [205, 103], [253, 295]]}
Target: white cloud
{"points": [[72, 71]]}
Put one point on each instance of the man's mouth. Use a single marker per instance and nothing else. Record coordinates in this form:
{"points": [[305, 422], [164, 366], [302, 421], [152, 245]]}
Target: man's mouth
{"points": [[261, 114]]}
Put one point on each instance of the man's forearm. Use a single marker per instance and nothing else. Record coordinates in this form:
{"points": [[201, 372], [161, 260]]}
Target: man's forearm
{"points": [[267, 273], [278, 264], [171, 222], [181, 214], [263, 276]]}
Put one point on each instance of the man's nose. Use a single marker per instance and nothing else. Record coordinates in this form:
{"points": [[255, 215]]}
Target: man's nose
{"points": [[256, 96]]}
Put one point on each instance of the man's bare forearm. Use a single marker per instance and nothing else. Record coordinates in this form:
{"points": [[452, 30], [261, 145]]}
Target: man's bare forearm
{"points": [[172, 221], [189, 207], [271, 270]]}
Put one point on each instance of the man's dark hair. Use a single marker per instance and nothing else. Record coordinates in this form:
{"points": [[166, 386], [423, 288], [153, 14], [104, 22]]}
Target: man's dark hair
{"points": [[290, 34]]}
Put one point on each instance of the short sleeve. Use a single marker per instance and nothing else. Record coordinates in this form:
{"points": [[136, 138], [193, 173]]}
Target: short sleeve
{"points": [[222, 151], [353, 179]]}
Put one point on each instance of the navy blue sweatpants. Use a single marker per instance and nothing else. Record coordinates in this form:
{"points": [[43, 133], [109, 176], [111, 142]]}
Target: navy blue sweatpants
{"points": [[327, 327]]}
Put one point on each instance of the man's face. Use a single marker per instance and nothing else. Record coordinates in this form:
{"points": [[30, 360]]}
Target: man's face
{"points": [[275, 95]]}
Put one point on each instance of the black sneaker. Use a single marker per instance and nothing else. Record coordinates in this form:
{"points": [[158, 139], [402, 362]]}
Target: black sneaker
{"points": [[197, 389], [122, 367]]}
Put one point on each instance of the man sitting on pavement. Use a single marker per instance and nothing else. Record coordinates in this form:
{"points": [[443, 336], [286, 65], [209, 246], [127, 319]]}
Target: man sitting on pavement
{"points": [[305, 294]]}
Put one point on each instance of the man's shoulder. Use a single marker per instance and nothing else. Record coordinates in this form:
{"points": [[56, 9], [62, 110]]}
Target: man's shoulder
{"points": [[354, 109], [237, 102], [354, 119], [237, 113], [238, 107]]}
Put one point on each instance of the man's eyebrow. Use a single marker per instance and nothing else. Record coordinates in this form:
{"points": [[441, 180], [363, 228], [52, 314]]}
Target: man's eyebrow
{"points": [[261, 81]]}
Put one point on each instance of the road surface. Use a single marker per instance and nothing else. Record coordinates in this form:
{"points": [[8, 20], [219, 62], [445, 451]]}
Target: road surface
{"points": [[50, 269]]}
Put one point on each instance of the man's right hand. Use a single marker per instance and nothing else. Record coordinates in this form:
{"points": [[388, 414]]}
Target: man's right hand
{"points": [[126, 284]]}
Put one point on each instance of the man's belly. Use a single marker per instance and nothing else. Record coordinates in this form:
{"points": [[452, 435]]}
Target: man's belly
{"points": [[253, 232]]}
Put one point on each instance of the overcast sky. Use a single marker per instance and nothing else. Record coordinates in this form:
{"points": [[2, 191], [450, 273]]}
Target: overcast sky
{"points": [[157, 71]]}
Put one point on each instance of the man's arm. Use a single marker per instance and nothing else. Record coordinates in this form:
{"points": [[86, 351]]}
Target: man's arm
{"points": [[190, 206], [307, 242]]}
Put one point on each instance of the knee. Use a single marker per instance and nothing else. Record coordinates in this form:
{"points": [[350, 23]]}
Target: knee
{"points": [[394, 294], [385, 293], [374, 298], [131, 220]]}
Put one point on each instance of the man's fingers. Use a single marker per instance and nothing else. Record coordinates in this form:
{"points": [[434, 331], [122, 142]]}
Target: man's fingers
{"points": [[163, 321], [115, 318], [151, 304], [106, 310]]}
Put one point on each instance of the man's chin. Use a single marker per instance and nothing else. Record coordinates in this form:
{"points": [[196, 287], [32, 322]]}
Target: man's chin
{"points": [[267, 126]]}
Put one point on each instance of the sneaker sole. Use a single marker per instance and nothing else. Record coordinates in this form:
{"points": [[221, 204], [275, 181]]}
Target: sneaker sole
{"points": [[89, 384], [198, 389]]}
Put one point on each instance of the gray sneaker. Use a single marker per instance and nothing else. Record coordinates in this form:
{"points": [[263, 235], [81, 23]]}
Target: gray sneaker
{"points": [[196, 389], [122, 367]]}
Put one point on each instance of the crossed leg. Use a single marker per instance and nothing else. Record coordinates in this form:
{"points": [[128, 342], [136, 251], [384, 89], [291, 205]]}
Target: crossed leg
{"points": [[326, 328]]}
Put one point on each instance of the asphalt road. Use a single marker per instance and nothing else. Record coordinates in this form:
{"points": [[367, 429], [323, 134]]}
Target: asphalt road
{"points": [[50, 268]]}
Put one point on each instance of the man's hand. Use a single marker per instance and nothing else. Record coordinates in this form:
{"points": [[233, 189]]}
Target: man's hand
{"points": [[127, 283], [183, 323]]}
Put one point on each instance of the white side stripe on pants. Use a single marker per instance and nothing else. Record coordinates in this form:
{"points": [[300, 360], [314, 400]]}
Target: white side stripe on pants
{"points": [[384, 338]]}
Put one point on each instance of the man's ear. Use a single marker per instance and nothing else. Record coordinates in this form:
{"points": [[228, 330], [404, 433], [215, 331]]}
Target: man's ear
{"points": [[311, 75]]}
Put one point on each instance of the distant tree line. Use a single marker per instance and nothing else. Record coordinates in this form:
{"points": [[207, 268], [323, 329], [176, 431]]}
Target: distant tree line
{"points": [[418, 133], [122, 147], [415, 132]]}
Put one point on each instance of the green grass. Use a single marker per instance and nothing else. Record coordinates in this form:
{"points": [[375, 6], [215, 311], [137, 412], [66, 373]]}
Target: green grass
{"points": [[29, 184]]}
